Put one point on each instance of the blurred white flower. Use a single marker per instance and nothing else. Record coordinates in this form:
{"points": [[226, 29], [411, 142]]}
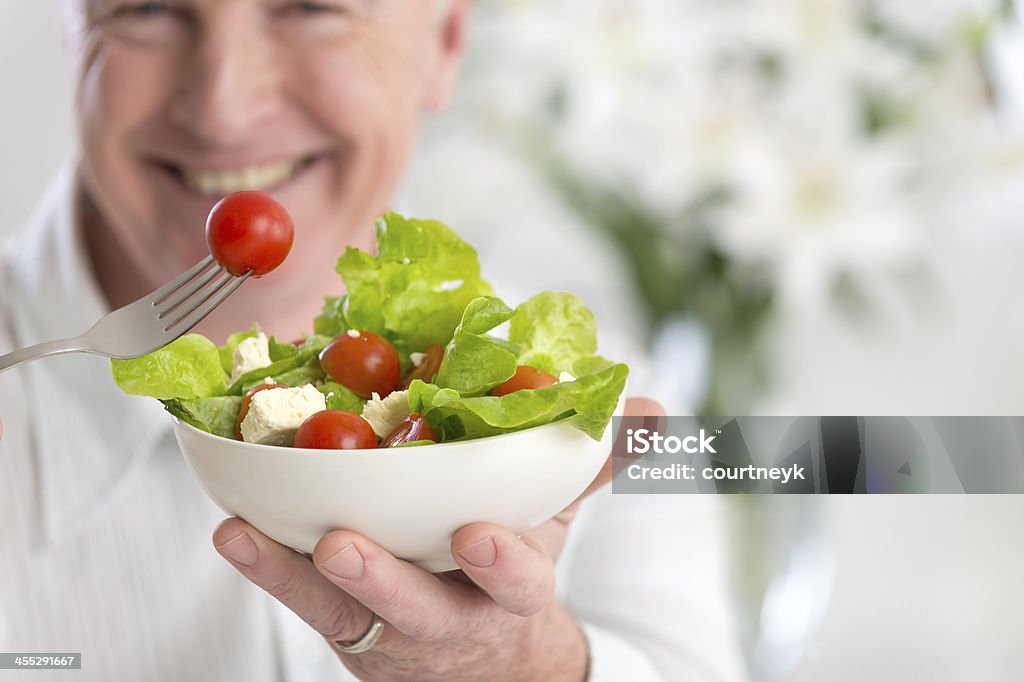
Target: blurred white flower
{"points": [[839, 137], [984, 199], [938, 20], [818, 208], [775, 100]]}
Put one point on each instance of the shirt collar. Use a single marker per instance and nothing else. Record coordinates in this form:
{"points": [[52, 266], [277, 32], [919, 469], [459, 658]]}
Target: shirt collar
{"points": [[88, 434]]}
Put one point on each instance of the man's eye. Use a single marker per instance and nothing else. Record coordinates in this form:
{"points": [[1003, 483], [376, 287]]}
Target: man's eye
{"points": [[142, 10], [309, 21], [311, 8], [148, 24]]}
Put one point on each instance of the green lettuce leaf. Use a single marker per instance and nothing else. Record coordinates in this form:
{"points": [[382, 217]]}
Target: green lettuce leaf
{"points": [[342, 398], [588, 402], [414, 291], [280, 351], [331, 320], [213, 415], [258, 376], [552, 331], [475, 362], [590, 365], [188, 367], [421, 395], [310, 349], [228, 349], [595, 397], [293, 377]]}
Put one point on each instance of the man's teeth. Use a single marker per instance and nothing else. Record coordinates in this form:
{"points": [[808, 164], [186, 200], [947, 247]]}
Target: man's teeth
{"points": [[218, 183]]}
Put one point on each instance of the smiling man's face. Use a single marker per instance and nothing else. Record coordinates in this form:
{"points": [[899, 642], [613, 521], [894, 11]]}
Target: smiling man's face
{"points": [[183, 101]]}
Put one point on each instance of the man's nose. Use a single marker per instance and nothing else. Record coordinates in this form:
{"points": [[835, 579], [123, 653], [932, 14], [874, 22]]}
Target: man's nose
{"points": [[229, 87]]}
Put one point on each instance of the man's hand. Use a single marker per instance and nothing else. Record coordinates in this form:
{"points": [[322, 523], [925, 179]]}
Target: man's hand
{"points": [[493, 619]]}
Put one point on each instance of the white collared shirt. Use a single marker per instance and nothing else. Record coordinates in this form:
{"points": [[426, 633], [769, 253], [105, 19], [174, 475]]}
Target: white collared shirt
{"points": [[105, 536]]}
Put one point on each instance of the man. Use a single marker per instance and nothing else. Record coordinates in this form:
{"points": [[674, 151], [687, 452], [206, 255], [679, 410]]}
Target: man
{"points": [[180, 102]]}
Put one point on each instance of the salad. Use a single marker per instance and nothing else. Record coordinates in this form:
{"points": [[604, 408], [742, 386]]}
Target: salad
{"points": [[409, 355]]}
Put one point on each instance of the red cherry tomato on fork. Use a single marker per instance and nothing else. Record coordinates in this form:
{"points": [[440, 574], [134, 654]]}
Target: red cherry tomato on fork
{"points": [[249, 231], [335, 430], [363, 362]]}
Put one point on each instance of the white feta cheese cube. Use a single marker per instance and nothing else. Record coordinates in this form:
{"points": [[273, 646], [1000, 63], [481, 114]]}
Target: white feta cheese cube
{"points": [[417, 358], [251, 353], [276, 413], [385, 414]]}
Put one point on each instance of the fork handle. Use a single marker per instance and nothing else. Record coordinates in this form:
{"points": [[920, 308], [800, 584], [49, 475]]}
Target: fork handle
{"points": [[41, 350]]}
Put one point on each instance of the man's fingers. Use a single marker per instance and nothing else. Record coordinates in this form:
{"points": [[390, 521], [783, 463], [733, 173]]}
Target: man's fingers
{"points": [[516, 572], [644, 407], [293, 580], [416, 603], [551, 535]]}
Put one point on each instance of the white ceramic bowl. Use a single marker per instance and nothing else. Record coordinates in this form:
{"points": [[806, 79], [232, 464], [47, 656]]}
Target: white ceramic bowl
{"points": [[408, 500]]}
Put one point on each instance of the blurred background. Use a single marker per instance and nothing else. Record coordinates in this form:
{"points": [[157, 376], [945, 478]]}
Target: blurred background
{"points": [[794, 207]]}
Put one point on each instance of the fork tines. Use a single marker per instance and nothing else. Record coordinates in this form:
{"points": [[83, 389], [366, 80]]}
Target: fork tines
{"points": [[206, 300]]}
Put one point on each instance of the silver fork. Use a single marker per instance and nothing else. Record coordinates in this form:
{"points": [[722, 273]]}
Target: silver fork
{"points": [[148, 323]]}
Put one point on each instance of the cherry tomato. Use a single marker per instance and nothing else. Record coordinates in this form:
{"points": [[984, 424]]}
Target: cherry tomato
{"points": [[525, 377], [249, 231], [364, 362], [247, 401], [335, 430], [414, 427], [428, 368]]}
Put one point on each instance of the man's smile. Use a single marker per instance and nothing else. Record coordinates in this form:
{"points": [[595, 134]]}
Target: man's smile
{"points": [[214, 183]]}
